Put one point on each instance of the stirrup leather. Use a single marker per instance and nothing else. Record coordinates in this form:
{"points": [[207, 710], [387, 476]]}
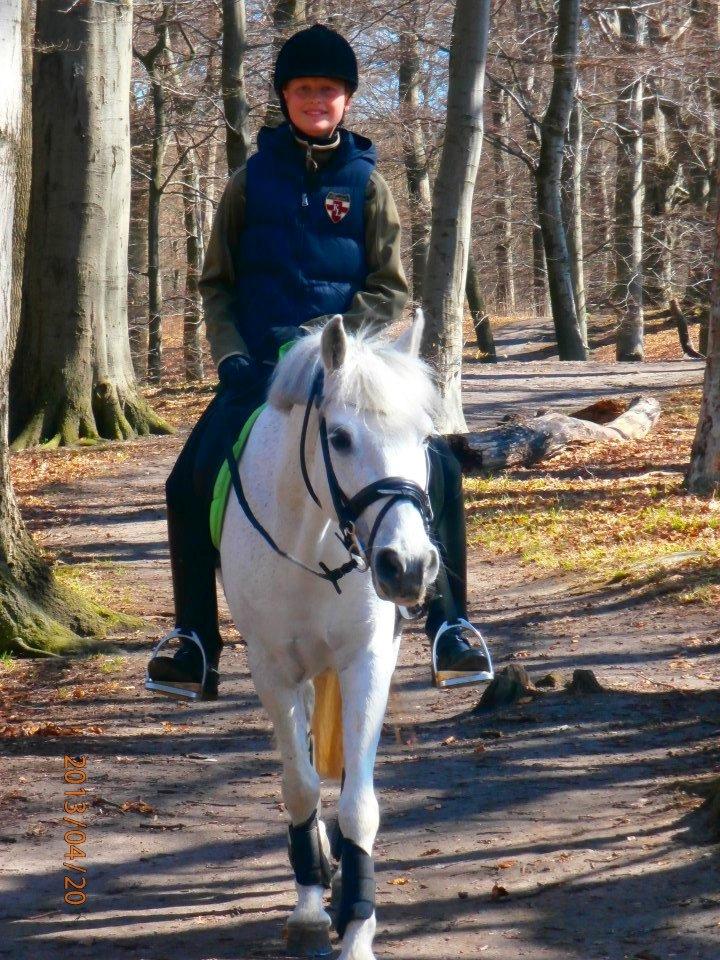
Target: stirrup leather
{"points": [[184, 691], [457, 678]]}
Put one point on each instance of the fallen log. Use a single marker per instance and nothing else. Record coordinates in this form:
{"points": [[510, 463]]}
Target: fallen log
{"points": [[528, 441]]}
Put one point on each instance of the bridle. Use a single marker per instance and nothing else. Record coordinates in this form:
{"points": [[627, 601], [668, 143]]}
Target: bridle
{"points": [[348, 510]]}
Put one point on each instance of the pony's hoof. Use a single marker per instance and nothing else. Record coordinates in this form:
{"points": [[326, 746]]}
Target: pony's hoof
{"points": [[309, 940]]}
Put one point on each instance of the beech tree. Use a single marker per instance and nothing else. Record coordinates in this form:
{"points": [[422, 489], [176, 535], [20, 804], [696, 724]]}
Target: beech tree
{"points": [[36, 613], [548, 175], [703, 475], [450, 235], [156, 63], [414, 152], [629, 190], [73, 378], [233, 83]]}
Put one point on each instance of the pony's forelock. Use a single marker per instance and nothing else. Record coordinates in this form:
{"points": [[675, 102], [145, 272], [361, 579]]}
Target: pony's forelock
{"points": [[375, 378]]}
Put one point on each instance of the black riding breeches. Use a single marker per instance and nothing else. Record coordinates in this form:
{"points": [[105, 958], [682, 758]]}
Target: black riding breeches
{"points": [[446, 498], [193, 558], [188, 492]]}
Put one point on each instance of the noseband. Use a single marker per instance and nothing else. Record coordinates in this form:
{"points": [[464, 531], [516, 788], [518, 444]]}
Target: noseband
{"points": [[348, 510]]}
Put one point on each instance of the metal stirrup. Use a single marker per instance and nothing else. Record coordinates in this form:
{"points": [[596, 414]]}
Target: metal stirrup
{"points": [[174, 689], [466, 625]]}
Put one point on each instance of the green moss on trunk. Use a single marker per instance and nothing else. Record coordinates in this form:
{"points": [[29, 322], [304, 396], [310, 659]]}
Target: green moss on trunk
{"points": [[40, 616]]}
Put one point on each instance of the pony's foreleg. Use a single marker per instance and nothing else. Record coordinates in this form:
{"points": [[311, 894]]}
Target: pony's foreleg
{"points": [[365, 684], [309, 923]]}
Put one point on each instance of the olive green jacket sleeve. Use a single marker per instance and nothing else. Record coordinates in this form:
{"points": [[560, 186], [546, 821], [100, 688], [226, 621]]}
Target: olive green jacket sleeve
{"points": [[379, 303], [217, 281]]}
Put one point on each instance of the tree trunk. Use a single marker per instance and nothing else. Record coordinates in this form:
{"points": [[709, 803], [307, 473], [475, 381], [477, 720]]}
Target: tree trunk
{"points": [[539, 275], [287, 16], [703, 474], [539, 438], [444, 283], [552, 142], [137, 280], [629, 194], [415, 157], [23, 174], [481, 321], [73, 378], [192, 343], [607, 272], [505, 292], [531, 23], [572, 213], [660, 175], [36, 615], [157, 73], [233, 84], [207, 204]]}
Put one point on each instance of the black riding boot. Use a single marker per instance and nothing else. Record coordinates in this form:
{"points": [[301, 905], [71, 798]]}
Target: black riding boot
{"points": [[455, 659], [193, 558]]}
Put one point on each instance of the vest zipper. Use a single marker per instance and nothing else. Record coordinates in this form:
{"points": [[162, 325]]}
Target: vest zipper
{"points": [[304, 204]]}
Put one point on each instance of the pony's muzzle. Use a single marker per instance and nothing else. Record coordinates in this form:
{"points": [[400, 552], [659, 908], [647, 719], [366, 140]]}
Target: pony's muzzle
{"points": [[404, 579]]}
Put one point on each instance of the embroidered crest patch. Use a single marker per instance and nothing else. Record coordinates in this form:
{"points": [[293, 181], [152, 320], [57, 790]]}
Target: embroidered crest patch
{"points": [[337, 205]]}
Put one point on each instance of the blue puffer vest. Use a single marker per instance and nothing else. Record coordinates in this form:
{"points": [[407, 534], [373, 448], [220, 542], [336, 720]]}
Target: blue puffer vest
{"points": [[301, 253]]}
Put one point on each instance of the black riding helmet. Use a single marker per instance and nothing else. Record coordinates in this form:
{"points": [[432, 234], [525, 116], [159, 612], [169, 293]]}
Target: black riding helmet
{"points": [[317, 51]]}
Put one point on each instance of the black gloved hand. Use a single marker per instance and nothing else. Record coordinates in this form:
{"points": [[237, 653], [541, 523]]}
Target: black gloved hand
{"points": [[241, 374], [282, 335]]}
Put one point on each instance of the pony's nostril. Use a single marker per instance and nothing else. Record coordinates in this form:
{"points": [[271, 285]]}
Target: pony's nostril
{"points": [[389, 566]]}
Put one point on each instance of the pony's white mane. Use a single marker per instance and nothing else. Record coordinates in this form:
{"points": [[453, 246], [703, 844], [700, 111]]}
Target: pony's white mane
{"points": [[374, 378]]}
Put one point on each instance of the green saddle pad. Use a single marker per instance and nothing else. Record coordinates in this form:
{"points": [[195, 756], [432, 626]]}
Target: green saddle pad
{"points": [[223, 482]]}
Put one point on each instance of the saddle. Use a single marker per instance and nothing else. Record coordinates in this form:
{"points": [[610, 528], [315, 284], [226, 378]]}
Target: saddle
{"points": [[223, 481]]}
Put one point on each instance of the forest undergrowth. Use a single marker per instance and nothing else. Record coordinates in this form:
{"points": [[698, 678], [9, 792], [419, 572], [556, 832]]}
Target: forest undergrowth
{"points": [[609, 514]]}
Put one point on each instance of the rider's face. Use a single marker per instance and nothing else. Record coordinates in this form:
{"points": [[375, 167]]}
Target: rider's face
{"points": [[316, 105]]}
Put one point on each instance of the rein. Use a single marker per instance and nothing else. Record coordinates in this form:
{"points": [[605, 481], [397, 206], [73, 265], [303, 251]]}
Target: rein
{"points": [[348, 510]]}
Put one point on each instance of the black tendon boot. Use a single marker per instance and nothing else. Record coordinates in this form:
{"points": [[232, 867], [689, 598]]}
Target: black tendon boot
{"points": [[459, 653], [192, 560]]}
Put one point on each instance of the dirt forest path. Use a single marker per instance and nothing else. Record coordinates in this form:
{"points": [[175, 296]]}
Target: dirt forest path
{"points": [[542, 830]]}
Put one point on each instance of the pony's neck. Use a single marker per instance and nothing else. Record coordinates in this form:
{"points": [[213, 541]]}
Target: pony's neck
{"points": [[303, 524]]}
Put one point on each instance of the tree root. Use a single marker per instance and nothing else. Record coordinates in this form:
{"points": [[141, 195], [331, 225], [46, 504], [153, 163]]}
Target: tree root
{"points": [[114, 414], [709, 789], [39, 615], [584, 683], [511, 684]]}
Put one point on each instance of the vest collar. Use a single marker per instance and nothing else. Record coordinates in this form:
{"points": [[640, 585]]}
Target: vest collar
{"points": [[281, 141], [314, 150]]}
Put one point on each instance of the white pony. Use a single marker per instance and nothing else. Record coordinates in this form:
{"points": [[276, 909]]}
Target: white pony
{"points": [[375, 402]]}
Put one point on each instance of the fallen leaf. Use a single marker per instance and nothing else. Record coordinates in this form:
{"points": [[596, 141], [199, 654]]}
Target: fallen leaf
{"points": [[430, 853], [399, 881], [37, 831], [137, 806], [47, 730], [498, 892]]}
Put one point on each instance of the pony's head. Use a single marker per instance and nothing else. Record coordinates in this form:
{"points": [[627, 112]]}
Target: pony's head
{"points": [[379, 404]]}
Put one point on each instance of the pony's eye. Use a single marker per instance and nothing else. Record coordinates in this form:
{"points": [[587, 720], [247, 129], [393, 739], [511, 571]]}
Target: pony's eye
{"points": [[341, 440]]}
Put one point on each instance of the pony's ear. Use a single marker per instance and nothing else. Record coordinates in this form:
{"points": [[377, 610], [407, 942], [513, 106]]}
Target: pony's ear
{"points": [[333, 344], [409, 340]]}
